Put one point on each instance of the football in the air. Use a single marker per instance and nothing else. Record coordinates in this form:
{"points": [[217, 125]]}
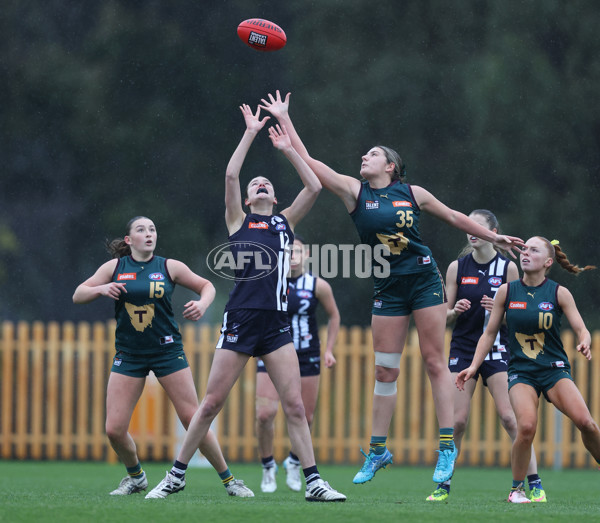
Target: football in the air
{"points": [[261, 35]]}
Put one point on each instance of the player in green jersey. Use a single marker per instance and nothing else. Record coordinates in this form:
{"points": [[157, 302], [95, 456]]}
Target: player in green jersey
{"points": [[386, 212], [148, 338], [534, 306]]}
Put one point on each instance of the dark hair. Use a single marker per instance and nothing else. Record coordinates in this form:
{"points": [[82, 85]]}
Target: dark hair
{"points": [[492, 222], [118, 248], [558, 254], [393, 157]]}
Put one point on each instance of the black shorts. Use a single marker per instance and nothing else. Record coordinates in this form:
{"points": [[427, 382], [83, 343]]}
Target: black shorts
{"points": [[139, 365], [495, 362], [254, 332], [310, 364]]}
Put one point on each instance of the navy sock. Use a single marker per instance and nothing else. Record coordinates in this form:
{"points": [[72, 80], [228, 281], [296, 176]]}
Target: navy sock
{"points": [[311, 474], [178, 469]]}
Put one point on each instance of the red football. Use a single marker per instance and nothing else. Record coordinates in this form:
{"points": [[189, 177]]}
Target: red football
{"points": [[261, 35]]}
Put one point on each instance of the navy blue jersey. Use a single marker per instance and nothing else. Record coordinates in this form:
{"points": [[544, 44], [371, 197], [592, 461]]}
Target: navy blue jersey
{"points": [[302, 309], [261, 249], [475, 280]]}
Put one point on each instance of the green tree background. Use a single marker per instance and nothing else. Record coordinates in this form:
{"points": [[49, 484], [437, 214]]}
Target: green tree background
{"points": [[112, 109]]}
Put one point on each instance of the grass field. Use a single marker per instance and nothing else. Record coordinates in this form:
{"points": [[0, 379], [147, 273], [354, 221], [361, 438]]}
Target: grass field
{"points": [[78, 492]]}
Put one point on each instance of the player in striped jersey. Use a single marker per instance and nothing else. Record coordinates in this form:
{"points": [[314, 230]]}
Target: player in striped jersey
{"points": [[471, 284], [534, 306], [147, 338], [305, 293], [255, 321]]}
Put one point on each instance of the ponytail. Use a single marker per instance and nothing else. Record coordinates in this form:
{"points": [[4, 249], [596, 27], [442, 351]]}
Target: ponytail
{"points": [[559, 255]]}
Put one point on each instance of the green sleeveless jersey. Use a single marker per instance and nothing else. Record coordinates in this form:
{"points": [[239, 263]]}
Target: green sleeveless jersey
{"points": [[144, 314], [388, 220], [533, 317]]}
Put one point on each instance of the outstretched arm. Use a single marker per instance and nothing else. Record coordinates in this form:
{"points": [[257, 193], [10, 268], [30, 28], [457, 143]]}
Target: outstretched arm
{"points": [[100, 284], [234, 214], [430, 204], [312, 186], [346, 187]]}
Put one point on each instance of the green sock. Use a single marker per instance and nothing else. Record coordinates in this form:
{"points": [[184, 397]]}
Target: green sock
{"points": [[377, 445], [226, 477], [447, 438]]}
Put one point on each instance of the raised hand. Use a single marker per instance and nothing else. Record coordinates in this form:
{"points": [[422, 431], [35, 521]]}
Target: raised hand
{"points": [[509, 243], [280, 137], [253, 121], [276, 106]]}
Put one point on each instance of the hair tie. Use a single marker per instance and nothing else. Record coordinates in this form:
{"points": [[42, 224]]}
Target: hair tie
{"points": [[554, 242]]}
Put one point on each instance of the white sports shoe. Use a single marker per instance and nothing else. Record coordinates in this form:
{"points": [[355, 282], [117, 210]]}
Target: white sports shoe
{"points": [[518, 496], [237, 488], [169, 485], [130, 485], [268, 483], [292, 471], [319, 490]]}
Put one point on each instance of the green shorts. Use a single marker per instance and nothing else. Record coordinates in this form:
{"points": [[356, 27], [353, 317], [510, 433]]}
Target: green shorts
{"points": [[139, 365], [400, 295], [542, 381]]}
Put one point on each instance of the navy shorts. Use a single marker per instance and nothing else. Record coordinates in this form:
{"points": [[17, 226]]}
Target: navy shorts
{"points": [[496, 361], [254, 332], [139, 365], [310, 364]]}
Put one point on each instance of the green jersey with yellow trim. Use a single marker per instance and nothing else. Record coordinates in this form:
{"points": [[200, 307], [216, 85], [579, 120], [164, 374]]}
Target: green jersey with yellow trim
{"points": [[144, 314], [533, 317], [388, 220]]}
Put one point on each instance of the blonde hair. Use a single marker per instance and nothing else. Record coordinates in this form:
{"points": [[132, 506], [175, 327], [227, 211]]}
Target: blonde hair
{"points": [[556, 253]]}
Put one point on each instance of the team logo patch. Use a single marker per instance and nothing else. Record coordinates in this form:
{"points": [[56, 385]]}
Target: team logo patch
{"points": [[157, 276], [452, 362], [558, 364], [280, 227], [166, 340], [258, 225], [127, 276], [424, 260], [517, 305], [513, 377], [495, 281], [377, 304], [402, 203], [117, 362], [304, 294], [371, 204], [232, 338], [546, 306], [469, 280]]}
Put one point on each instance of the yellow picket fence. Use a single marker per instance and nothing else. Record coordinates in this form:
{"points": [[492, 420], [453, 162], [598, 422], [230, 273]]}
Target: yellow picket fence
{"points": [[52, 401]]}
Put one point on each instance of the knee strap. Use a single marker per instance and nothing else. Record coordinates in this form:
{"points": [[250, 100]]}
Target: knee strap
{"points": [[387, 359]]}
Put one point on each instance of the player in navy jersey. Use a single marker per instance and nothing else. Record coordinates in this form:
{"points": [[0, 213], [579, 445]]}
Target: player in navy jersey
{"points": [[386, 212], [255, 322], [471, 284], [534, 306], [148, 339], [305, 293]]}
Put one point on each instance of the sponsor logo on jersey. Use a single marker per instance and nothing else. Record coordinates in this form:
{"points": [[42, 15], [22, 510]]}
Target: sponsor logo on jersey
{"points": [[371, 204], [157, 276], [304, 294], [117, 362], [126, 276], [232, 338], [546, 306], [495, 281], [517, 305], [402, 203], [165, 340], [453, 362], [377, 304], [469, 280], [558, 364], [280, 227], [423, 260], [258, 225]]}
